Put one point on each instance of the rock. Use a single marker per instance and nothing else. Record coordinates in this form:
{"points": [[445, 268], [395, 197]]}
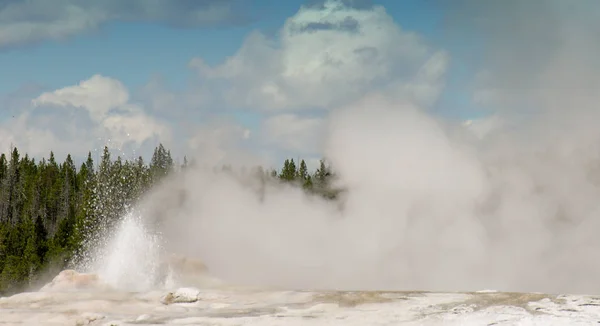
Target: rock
{"points": [[181, 295], [167, 298], [70, 280]]}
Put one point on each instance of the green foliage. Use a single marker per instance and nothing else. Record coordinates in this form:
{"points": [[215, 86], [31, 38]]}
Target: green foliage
{"points": [[49, 210], [161, 163], [288, 172]]}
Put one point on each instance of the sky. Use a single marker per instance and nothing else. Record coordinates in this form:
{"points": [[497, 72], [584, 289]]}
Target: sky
{"points": [[261, 75]]}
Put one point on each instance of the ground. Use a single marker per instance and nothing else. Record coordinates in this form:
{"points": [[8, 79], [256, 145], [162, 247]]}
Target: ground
{"points": [[244, 306]]}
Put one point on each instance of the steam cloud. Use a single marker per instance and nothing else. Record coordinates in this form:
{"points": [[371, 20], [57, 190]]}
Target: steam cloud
{"points": [[426, 209], [430, 205]]}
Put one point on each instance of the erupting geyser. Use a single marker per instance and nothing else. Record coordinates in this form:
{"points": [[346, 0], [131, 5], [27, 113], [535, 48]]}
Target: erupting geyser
{"points": [[131, 257]]}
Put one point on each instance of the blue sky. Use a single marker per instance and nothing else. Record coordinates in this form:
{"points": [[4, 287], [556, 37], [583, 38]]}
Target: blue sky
{"points": [[183, 67], [135, 52]]}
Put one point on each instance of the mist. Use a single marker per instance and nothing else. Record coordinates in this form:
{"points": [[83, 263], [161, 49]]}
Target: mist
{"points": [[428, 206], [509, 203]]}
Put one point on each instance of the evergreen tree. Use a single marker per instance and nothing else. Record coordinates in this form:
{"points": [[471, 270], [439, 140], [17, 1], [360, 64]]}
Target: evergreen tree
{"points": [[87, 216], [288, 172], [161, 163], [302, 171], [3, 188], [14, 194], [321, 174], [308, 184], [3, 166]]}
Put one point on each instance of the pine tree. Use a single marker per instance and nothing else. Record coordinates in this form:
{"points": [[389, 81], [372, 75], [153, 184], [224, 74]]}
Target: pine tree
{"points": [[308, 184], [288, 172], [3, 166], [87, 216], [3, 189], [302, 171], [321, 174], [161, 163], [11, 184]]}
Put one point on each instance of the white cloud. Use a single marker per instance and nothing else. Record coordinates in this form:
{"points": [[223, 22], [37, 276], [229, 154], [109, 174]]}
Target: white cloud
{"points": [[136, 127], [38, 134], [328, 56], [98, 95], [324, 57], [107, 102], [23, 22], [64, 20], [87, 116]]}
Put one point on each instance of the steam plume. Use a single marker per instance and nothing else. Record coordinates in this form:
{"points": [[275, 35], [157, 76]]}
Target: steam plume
{"points": [[429, 205]]}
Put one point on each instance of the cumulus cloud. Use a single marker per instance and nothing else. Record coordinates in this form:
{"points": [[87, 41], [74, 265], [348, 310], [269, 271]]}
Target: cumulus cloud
{"points": [[358, 4], [330, 53], [23, 22], [327, 55], [38, 133], [106, 100], [83, 117], [98, 95]]}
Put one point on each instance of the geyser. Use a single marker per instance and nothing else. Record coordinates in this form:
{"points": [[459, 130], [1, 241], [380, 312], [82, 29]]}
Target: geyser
{"points": [[130, 257]]}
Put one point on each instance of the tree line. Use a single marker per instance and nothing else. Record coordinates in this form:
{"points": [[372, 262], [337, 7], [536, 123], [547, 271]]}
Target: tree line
{"points": [[48, 210]]}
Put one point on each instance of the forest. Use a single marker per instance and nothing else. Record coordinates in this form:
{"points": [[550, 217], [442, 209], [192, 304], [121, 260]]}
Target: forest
{"points": [[48, 209]]}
